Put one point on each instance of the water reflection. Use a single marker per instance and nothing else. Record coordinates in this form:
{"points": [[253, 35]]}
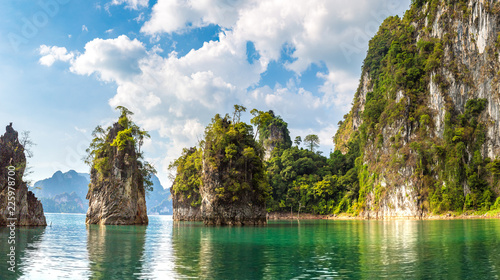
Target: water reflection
{"points": [[218, 252], [27, 245], [459, 249], [115, 252]]}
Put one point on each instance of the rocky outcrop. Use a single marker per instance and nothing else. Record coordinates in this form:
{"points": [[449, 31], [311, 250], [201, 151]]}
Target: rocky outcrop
{"points": [[233, 183], [224, 183], [248, 209], [27, 209], [274, 134], [425, 149], [116, 191], [184, 209]]}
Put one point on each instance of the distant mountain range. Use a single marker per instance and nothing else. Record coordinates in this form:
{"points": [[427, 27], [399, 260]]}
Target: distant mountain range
{"points": [[66, 192]]}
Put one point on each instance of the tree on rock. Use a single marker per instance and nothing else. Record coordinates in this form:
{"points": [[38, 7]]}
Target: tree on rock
{"points": [[120, 177], [312, 141]]}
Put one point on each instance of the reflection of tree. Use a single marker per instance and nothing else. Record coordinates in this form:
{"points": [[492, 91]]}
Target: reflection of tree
{"points": [[27, 242], [218, 252], [115, 252]]}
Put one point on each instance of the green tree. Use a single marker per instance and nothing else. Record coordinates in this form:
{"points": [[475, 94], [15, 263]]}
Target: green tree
{"points": [[237, 112], [260, 120], [297, 140], [188, 180], [312, 141]]}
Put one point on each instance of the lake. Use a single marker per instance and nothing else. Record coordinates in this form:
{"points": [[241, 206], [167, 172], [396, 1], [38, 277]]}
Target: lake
{"points": [[316, 249]]}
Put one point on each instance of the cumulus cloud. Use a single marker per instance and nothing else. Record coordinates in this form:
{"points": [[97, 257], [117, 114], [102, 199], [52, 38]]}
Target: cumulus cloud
{"points": [[53, 54], [112, 60], [131, 4]]}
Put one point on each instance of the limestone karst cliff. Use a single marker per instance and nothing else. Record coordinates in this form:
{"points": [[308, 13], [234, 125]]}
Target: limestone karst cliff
{"points": [[27, 210], [426, 116], [224, 183], [234, 187], [119, 178]]}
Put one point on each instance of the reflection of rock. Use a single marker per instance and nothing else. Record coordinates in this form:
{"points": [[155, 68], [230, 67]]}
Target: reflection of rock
{"points": [[202, 252], [115, 252], [28, 210], [27, 243]]}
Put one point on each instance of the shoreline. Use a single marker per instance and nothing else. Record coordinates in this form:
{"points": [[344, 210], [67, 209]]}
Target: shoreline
{"points": [[277, 216]]}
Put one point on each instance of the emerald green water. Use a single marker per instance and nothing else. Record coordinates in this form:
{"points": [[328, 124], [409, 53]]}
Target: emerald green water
{"points": [[455, 249]]}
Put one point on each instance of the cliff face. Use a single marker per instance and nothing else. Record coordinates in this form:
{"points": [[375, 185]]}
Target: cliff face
{"points": [[247, 209], [116, 191], [427, 112], [273, 134], [234, 187], [186, 209], [28, 210], [224, 183]]}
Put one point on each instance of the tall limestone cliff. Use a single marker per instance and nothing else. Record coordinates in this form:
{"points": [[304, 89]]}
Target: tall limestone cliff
{"points": [[119, 178], [426, 115], [234, 187], [27, 210]]}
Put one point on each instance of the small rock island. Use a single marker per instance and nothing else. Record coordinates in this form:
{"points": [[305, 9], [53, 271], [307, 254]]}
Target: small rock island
{"points": [[224, 182], [119, 177], [27, 209]]}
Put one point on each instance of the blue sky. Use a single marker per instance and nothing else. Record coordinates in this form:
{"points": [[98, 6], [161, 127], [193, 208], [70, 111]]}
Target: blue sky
{"points": [[66, 64]]}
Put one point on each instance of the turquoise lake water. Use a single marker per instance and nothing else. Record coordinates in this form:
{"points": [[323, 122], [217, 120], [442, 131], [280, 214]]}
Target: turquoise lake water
{"points": [[452, 249]]}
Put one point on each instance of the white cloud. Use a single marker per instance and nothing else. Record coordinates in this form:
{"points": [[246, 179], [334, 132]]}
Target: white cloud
{"points": [[175, 15], [109, 31], [84, 28], [82, 130], [113, 60], [177, 96], [53, 54], [131, 4]]}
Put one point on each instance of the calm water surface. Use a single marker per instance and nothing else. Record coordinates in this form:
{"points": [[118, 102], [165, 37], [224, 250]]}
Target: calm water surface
{"points": [[457, 249]]}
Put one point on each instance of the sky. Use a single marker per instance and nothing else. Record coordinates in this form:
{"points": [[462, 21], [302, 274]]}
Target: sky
{"points": [[66, 64]]}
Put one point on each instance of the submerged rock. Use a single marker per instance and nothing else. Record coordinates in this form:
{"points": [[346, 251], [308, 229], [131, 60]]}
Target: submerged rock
{"points": [[116, 191], [28, 210]]}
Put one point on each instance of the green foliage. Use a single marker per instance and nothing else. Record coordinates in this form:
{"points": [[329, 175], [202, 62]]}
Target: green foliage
{"points": [[297, 140], [123, 139], [311, 141], [301, 178], [188, 179]]}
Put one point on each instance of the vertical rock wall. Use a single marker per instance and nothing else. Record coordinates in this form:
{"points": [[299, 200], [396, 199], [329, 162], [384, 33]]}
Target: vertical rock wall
{"points": [[28, 210]]}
